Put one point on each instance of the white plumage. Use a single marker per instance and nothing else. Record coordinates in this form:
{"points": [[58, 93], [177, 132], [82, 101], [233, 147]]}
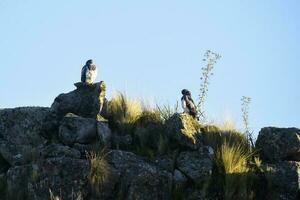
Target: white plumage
{"points": [[89, 72], [90, 76]]}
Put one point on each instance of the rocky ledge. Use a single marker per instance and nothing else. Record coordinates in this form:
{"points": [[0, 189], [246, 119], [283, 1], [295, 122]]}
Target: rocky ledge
{"points": [[57, 149]]}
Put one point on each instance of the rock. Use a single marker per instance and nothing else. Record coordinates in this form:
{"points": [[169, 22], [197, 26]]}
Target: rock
{"points": [[276, 144], [138, 178], [66, 177], [183, 130], [165, 162], [284, 178], [196, 165], [85, 101], [123, 142], [75, 129], [20, 130], [179, 179], [58, 150]]}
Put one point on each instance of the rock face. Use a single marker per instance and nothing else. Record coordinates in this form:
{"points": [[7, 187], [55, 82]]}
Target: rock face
{"points": [[279, 149], [85, 101], [285, 178], [196, 165], [65, 176], [276, 144], [20, 131], [75, 129], [137, 178], [183, 131]]}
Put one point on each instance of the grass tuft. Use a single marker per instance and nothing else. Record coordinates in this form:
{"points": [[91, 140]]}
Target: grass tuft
{"points": [[99, 168], [123, 112]]}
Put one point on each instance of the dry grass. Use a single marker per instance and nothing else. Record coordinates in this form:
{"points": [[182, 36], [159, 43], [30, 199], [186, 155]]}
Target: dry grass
{"points": [[232, 160], [123, 112], [99, 168], [216, 137]]}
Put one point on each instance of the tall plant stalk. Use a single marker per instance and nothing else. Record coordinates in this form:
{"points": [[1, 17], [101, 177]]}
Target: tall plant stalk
{"points": [[245, 114], [210, 59]]}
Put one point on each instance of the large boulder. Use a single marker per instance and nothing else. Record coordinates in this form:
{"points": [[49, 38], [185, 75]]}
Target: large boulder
{"points": [[20, 133], [75, 129], [66, 177], [276, 144], [85, 101], [284, 180], [184, 130], [134, 178], [196, 165]]}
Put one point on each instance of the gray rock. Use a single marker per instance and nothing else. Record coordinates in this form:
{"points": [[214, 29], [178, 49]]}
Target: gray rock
{"points": [[284, 178], [183, 130], [85, 101], [58, 150], [137, 178], [179, 179], [66, 177], [196, 165], [166, 162], [276, 144], [75, 129], [122, 141], [20, 133]]}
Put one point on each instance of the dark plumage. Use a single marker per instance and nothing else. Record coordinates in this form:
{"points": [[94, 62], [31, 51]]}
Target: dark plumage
{"points": [[188, 104]]}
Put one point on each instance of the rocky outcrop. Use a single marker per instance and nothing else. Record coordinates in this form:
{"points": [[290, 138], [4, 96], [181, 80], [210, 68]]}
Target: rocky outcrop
{"points": [[279, 149], [196, 165], [277, 144], [85, 101], [284, 177], [20, 133], [183, 131], [75, 129], [139, 178], [66, 177]]}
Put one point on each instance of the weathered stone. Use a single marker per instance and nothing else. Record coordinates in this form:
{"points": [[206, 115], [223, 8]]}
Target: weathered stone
{"points": [[276, 144], [66, 177], [166, 162], [183, 130], [196, 165], [284, 179], [20, 130], [86, 101], [138, 179], [122, 141], [58, 150], [179, 179], [75, 129]]}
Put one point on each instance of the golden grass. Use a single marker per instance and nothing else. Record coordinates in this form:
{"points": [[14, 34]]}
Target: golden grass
{"points": [[233, 161], [233, 158], [123, 109], [99, 168]]}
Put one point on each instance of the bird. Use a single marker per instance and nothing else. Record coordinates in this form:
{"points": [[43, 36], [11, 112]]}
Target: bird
{"points": [[188, 104], [88, 72]]}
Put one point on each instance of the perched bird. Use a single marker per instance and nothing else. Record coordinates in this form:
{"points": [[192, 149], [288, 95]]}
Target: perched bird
{"points": [[188, 104], [88, 72]]}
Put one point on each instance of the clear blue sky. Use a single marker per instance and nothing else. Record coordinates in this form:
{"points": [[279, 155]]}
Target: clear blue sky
{"points": [[154, 49]]}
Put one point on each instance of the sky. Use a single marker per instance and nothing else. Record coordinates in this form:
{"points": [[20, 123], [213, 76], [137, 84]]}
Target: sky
{"points": [[154, 49]]}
